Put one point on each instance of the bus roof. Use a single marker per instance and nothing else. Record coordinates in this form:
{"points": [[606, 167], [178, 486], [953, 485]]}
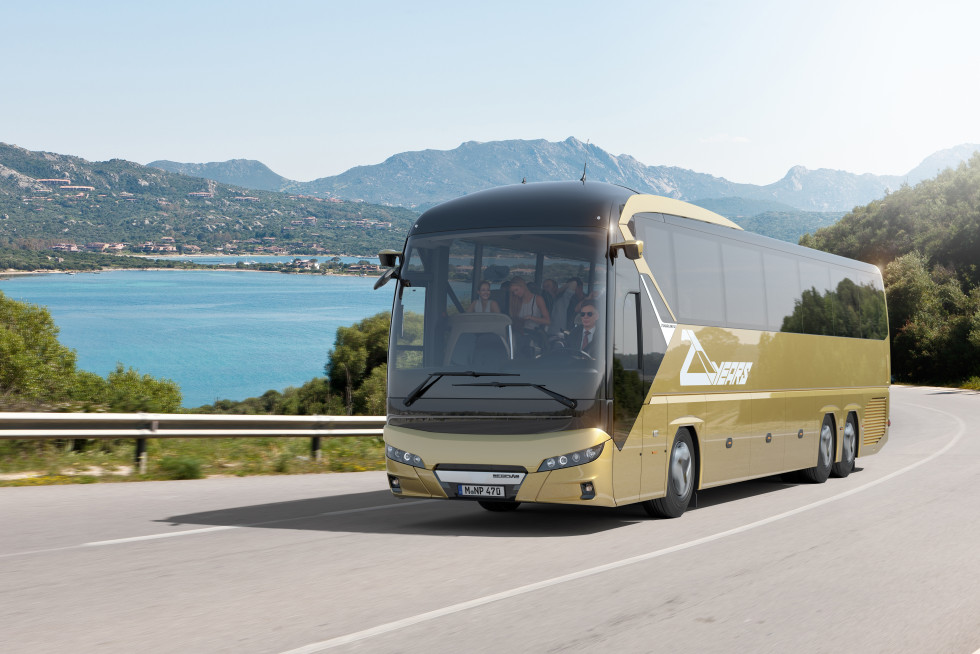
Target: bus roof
{"points": [[542, 204], [552, 204]]}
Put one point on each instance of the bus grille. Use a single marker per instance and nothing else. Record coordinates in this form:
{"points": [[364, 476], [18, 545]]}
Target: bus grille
{"points": [[875, 420]]}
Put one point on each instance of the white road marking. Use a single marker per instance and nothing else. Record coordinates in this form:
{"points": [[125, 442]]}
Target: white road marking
{"points": [[547, 583], [170, 534], [205, 530]]}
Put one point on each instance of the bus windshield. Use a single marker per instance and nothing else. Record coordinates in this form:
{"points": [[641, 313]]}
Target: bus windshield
{"points": [[501, 323]]}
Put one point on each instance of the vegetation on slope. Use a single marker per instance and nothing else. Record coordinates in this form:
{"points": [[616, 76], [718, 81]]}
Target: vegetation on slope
{"points": [[926, 239]]}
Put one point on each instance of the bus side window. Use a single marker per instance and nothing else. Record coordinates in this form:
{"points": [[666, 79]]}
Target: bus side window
{"points": [[782, 278], [652, 343], [628, 392]]}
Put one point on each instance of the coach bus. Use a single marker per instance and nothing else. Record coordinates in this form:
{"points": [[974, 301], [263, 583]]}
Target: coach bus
{"points": [[714, 355]]}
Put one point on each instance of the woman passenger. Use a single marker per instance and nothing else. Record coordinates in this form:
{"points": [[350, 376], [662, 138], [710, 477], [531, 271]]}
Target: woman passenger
{"points": [[483, 303], [527, 310]]}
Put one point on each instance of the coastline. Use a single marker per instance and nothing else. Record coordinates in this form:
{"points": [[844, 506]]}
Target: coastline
{"points": [[189, 258], [8, 274]]}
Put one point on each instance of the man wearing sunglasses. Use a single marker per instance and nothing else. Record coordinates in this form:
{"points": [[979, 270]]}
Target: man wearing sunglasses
{"points": [[584, 337]]}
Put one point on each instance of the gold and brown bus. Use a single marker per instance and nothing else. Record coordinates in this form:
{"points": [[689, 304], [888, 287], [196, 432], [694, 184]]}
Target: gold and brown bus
{"points": [[716, 355]]}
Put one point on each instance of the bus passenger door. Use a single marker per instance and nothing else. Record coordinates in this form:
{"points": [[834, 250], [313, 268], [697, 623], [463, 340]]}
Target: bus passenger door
{"points": [[628, 394], [657, 437]]}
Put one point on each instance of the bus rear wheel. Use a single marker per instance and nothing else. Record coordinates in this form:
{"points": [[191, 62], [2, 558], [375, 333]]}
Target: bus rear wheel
{"points": [[680, 480], [819, 473], [498, 507], [848, 449]]}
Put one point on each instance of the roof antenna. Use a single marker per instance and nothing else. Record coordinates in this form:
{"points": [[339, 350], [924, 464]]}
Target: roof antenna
{"points": [[586, 166]]}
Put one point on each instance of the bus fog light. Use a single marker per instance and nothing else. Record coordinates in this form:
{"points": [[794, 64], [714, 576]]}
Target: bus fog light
{"points": [[395, 483], [588, 490], [572, 459]]}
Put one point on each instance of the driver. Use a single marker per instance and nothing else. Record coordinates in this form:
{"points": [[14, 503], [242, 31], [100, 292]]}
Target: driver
{"points": [[583, 337]]}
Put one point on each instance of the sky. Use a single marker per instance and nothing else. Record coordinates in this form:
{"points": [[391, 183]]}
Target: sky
{"points": [[741, 90]]}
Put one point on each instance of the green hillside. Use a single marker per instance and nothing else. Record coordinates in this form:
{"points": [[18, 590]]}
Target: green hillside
{"points": [[49, 199], [926, 239]]}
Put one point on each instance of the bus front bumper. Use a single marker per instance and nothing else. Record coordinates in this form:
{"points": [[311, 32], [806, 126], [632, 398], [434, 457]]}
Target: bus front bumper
{"points": [[590, 483]]}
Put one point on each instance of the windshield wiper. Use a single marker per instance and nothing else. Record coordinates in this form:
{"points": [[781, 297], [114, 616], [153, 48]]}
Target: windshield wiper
{"points": [[433, 377], [567, 401]]}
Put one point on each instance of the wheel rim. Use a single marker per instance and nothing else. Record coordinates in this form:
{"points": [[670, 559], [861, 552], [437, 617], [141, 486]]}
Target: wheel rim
{"points": [[680, 469], [826, 444], [850, 441]]}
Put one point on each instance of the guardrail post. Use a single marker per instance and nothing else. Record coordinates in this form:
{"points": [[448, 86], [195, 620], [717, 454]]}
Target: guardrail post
{"points": [[315, 450], [140, 462]]}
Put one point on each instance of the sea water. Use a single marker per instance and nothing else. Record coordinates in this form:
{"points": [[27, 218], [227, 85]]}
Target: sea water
{"points": [[218, 334]]}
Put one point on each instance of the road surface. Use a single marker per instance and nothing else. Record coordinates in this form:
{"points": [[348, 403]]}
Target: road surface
{"points": [[886, 560]]}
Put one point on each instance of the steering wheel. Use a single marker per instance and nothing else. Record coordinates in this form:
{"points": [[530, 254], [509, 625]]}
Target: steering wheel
{"points": [[562, 352]]}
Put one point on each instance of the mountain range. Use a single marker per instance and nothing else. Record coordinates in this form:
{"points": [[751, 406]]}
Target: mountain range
{"points": [[420, 179], [54, 200]]}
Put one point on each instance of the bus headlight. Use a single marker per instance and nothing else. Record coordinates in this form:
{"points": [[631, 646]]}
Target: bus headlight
{"points": [[401, 456], [573, 459]]}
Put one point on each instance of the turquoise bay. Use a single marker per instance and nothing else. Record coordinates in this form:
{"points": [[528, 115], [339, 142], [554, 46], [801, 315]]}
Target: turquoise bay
{"points": [[219, 334]]}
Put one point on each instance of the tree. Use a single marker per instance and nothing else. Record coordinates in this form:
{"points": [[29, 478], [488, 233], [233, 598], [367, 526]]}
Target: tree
{"points": [[358, 350], [128, 392], [34, 367], [934, 324]]}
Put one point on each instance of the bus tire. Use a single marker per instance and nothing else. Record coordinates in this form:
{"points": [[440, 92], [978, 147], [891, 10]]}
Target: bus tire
{"points": [[498, 507], [819, 473], [681, 473], [848, 448]]}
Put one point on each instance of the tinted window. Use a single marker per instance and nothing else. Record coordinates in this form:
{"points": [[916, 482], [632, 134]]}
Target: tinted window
{"points": [[658, 251], [745, 298], [711, 279], [700, 284], [818, 310], [782, 293], [628, 391], [653, 343]]}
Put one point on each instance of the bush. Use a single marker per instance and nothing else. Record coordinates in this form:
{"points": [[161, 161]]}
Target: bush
{"points": [[181, 467]]}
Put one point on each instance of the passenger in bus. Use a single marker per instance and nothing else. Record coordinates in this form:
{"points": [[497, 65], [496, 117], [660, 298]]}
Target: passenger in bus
{"points": [[583, 337], [549, 291], [527, 310], [483, 303], [563, 312]]}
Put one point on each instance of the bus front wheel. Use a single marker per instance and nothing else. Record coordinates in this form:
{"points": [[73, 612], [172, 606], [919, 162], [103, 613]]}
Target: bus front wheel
{"points": [[819, 473], [680, 480]]}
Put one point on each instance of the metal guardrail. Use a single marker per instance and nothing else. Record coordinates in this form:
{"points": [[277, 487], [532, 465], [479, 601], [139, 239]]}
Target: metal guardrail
{"points": [[141, 426]]}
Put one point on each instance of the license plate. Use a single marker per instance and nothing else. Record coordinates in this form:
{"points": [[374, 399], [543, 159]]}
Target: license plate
{"points": [[481, 491]]}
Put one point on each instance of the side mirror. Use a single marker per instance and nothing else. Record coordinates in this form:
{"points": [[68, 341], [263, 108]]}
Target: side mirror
{"points": [[386, 277], [389, 258], [633, 250]]}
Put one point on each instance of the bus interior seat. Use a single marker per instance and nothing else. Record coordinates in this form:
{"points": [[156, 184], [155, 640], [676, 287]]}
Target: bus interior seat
{"points": [[478, 339]]}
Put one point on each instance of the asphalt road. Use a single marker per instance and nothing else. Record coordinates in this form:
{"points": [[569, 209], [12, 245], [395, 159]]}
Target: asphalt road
{"points": [[887, 560]]}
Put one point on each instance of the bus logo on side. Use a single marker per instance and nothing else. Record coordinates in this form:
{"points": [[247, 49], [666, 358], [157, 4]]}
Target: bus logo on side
{"points": [[734, 373]]}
